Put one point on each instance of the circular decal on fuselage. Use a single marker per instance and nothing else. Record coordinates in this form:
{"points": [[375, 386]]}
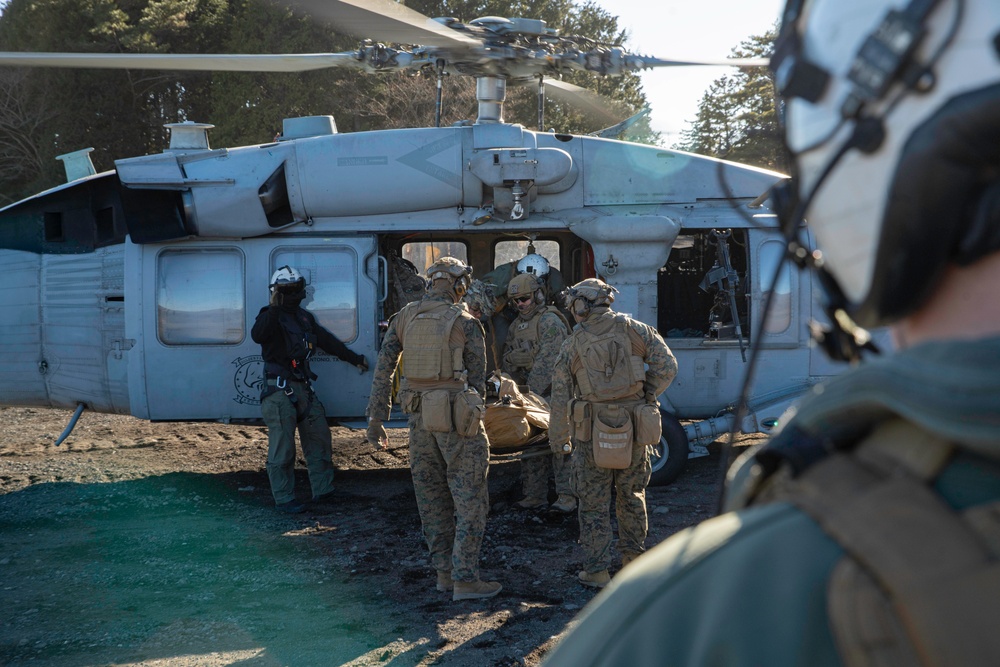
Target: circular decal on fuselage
{"points": [[248, 379]]}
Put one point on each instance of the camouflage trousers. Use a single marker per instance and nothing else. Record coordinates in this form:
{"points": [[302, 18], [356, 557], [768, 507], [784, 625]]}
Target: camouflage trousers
{"points": [[535, 473], [593, 489], [314, 434], [449, 480]]}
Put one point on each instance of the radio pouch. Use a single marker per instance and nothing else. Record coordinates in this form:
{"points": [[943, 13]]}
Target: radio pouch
{"points": [[648, 427], [612, 437], [581, 420], [469, 410], [435, 410]]}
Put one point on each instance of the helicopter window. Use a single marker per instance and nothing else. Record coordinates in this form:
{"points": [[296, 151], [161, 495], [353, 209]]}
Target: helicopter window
{"points": [[199, 297], [511, 251], [425, 253], [696, 291], [331, 286], [779, 318]]}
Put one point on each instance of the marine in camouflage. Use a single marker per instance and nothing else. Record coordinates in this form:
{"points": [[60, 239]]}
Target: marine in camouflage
{"points": [[449, 471], [593, 484]]}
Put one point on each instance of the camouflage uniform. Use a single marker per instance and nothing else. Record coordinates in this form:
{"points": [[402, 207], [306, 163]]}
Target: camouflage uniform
{"points": [[551, 332], [593, 484], [782, 583], [449, 471]]}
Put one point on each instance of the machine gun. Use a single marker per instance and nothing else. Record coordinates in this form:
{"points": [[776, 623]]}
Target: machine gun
{"points": [[725, 279]]}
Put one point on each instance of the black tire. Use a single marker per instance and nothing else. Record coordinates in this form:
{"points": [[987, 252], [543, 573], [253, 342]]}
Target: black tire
{"points": [[670, 456]]}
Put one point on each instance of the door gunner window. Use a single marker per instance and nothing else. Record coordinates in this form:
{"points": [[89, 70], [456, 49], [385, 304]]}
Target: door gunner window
{"points": [[331, 286]]}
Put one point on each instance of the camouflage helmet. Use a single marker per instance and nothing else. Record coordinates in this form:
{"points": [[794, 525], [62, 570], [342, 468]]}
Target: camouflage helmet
{"points": [[457, 271], [480, 297], [524, 283], [594, 291]]}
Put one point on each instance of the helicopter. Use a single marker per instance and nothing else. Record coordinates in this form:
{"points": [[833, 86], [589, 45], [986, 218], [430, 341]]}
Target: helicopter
{"points": [[133, 291]]}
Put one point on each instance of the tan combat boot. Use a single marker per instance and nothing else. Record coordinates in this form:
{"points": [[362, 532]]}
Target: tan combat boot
{"points": [[444, 582], [565, 504], [531, 503], [628, 558], [475, 590], [594, 579]]}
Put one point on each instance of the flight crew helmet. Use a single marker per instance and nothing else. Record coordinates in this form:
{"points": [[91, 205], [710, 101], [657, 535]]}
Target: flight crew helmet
{"points": [[588, 294], [287, 281], [892, 123], [453, 269], [533, 263]]}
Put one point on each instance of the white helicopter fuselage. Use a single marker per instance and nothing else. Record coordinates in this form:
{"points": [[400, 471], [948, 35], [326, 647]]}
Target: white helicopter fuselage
{"points": [[157, 325]]}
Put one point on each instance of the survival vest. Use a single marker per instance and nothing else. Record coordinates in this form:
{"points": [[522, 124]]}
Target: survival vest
{"points": [[425, 330], [300, 343], [604, 365], [523, 343]]}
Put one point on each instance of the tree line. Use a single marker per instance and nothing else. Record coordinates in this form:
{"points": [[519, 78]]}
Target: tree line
{"points": [[45, 112]]}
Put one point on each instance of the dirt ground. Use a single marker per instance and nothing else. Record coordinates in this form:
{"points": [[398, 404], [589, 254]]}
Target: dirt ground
{"points": [[136, 543]]}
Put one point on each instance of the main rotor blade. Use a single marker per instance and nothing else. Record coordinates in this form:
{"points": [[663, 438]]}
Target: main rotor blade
{"points": [[210, 62], [729, 62], [585, 100], [385, 21]]}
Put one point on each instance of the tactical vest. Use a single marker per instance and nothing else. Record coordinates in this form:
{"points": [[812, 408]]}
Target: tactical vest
{"points": [[604, 365], [523, 340], [300, 343], [425, 331], [918, 581]]}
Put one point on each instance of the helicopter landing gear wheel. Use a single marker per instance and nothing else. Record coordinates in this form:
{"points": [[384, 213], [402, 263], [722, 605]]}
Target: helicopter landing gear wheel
{"points": [[670, 456]]}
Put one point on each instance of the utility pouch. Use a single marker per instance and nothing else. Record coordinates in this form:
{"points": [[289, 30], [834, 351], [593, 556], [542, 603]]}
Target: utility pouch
{"points": [[581, 420], [648, 427], [435, 410], [612, 437], [469, 410], [409, 401]]}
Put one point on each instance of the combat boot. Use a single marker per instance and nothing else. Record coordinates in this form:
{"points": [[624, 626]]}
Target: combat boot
{"points": [[565, 504], [475, 590], [594, 579], [628, 558], [531, 503], [444, 582]]}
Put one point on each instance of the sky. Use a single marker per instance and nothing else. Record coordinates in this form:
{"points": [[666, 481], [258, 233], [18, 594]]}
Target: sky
{"points": [[686, 29]]}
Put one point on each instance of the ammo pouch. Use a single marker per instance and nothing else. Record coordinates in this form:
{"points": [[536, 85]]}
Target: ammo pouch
{"points": [[612, 437], [580, 419], [435, 410], [409, 401], [469, 410], [520, 358], [648, 427]]}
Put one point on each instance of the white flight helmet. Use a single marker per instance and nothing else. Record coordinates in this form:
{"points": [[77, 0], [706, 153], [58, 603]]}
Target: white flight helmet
{"points": [[287, 280], [535, 264], [892, 120]]}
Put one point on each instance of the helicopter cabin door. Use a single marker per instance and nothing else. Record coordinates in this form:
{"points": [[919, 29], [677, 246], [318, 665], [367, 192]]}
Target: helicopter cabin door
{"points": [[197, 301]]}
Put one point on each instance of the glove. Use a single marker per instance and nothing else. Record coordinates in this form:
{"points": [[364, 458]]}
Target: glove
{"points": [[361, 364], [276, 298], [377, 436]]}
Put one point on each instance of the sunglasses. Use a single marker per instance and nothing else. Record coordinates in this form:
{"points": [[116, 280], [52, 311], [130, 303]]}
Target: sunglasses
{"points": [[522, 299]]}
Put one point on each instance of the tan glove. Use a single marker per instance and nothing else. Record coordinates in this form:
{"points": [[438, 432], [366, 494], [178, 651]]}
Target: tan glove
{"points": [[362, 365], [275, 299], [377, 436]]}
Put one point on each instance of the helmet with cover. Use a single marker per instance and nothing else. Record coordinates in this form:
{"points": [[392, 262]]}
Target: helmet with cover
{"points": [[892, 122], [457, 272], [588, 294], [480, 298]]}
